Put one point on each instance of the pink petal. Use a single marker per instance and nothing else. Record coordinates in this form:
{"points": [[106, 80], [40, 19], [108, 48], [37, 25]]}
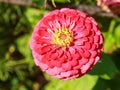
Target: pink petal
{"points": [[88, 25], [83, 61], [76, 56], [72, 50], [54, 56], [101, 39], [74, 63], [75, 59], [86, 54], [96, 38], [66, 66], [87, 46], [93, 47], [93, 53], [42, 50], [65, 74], [79, 42], [43, 66], [85, 67], [97, 59]]}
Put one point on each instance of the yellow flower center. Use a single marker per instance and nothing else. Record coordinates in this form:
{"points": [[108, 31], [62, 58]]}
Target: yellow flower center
{"points": [[62, 37]]}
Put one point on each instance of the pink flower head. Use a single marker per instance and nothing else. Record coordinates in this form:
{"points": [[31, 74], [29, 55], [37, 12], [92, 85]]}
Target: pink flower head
{"points": [[110, 5], [66, 43]]}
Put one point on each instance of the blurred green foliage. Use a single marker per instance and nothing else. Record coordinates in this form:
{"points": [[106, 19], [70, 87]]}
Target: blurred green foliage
{"points": [[17, 68]]}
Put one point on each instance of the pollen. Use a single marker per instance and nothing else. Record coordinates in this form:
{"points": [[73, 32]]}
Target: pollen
{"points": [[62, 37]]}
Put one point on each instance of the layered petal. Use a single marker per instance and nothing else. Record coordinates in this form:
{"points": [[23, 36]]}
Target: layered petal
{"points": [[66, 43], [110, 5]]}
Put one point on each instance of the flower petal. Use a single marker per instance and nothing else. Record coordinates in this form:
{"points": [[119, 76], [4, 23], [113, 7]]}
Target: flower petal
{"points": [[81, 50]]}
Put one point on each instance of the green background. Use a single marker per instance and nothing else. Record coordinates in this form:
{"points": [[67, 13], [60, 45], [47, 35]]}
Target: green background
{"points": [[17, 68]]}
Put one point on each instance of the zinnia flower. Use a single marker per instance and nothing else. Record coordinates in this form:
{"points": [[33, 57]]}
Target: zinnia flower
{"points": [[110, 5], [66, 43]]}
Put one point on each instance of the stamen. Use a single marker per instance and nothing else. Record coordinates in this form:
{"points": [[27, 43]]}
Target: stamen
{"points": [[62, 37]]}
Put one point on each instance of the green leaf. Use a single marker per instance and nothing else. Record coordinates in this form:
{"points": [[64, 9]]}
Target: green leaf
{"points": [[75, 84], [4, 71], [40, 3], [22, 88], [106, 69], [115, 84], [117, 35], [14, 81], [23, 45], [109, 43], [34, 15], [53, 2], [101, 85], [62, 1]]}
